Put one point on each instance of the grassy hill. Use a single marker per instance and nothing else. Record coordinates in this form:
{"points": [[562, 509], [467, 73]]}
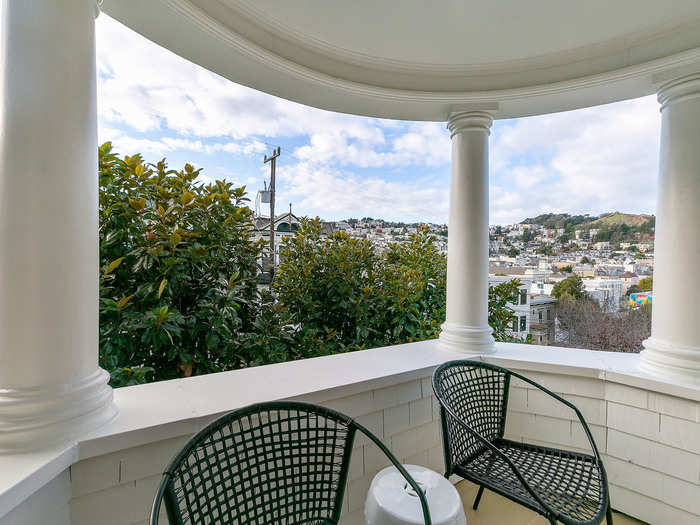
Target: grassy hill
{"points": [[606, 220], [559, 220], [613, 227], [617, 218]]}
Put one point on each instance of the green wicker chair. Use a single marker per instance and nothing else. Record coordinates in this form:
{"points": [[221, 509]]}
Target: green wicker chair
{"points": [[278, 463], [564, 486]]}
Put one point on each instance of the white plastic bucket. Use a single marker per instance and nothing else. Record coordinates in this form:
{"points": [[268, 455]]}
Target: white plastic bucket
{"points": [[392, 501]]}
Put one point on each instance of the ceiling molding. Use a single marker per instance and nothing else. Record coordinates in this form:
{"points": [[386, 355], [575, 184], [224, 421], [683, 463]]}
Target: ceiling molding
{"points": [[341, 94]]}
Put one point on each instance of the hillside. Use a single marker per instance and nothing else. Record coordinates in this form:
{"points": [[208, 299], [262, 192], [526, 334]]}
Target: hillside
{"points": [[617, 218], [611, 220], [559, 220]]}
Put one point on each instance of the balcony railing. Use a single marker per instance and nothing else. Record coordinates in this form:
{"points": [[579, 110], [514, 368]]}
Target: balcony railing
{"points": [[647, 429]]}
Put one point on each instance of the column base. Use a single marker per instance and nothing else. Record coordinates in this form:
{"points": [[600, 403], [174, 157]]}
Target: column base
{"points": [[680, 364], [470, 340], [38, 418]]}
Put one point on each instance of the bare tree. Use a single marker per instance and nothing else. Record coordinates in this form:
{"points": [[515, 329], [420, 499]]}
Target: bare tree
{"points": [[583, 323]]}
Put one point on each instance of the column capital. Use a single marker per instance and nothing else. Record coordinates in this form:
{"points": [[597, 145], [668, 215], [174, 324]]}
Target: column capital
{"points": [[461, 121], [679, 89]]}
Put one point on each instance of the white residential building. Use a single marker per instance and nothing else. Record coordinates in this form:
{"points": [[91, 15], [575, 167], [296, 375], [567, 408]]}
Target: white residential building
{"points": [[607, 292], [520, 304]]}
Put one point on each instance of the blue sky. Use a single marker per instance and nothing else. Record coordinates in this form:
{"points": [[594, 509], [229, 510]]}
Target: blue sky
{"points": [[153, 102]]}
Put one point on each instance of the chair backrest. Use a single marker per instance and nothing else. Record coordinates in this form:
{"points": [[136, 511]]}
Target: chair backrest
{"points": [[280, 462], [478, 394]]}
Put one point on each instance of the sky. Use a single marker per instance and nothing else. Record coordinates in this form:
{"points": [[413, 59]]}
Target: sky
{"points": [[337, 166]]}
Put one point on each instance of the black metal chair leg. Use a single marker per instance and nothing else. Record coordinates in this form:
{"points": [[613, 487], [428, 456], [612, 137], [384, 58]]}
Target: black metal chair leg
{"points": [[608, 515], [478, 497]]}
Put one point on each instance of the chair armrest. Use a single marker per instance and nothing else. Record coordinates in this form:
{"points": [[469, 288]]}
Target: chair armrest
{"points": [[497, 452], [400, 468], [572, 407], [155, 508]]}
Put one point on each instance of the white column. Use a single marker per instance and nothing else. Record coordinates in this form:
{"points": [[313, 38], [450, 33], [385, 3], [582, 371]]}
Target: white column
{"points": [[673, 350], [51, 387], [466, 328]]}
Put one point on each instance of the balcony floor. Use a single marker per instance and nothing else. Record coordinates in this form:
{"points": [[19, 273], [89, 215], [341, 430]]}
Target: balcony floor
{"points": [[495, 509]]}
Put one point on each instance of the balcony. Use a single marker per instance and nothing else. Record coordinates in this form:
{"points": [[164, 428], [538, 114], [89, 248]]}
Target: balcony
{"points": [[73, 451], [647, 430]]}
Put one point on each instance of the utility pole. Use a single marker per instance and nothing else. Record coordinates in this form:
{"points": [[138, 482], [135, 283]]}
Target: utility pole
{"points": [[271, 160]]}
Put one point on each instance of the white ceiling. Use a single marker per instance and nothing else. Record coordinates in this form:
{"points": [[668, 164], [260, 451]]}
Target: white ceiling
{"points": [[418, 59], [468, 32]]}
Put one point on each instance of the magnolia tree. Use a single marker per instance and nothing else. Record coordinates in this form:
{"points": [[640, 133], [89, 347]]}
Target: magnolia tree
{"points": [[178, 271], [178, 282]]}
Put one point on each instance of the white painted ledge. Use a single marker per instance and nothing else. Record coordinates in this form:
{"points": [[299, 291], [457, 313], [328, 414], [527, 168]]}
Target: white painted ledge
{"points": [[158, 411]]}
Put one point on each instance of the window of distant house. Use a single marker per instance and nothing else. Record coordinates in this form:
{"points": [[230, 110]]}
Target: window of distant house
{"points": [[523, 297], [549, 315], [523, 323], [515, 325], [539, 315]]}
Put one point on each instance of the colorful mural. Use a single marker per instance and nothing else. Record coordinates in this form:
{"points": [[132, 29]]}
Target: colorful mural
{"points": [[639, 299]]}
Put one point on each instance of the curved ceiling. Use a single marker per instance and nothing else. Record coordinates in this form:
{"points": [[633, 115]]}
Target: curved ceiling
{"points": [[419, 59]]}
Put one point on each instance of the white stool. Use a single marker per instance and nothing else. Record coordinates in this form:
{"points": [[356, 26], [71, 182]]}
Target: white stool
{"points": [[392, 501]]}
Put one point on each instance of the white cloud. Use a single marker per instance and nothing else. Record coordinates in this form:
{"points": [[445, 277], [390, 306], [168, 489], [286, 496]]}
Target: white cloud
{"points": [[126, 144], [340, 195], [528, 176], [149, 88], [421, 144], [587, 161], [592, 160]]}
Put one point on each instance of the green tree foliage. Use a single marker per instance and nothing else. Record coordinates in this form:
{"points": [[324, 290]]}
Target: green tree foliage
{"points": [[558, 220], [323, 284], [178, 270], [501, 316], [570, 288], [343, 296], [527, 236], [513, 252], [178, 282], [646, 284], [648, 227]]}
